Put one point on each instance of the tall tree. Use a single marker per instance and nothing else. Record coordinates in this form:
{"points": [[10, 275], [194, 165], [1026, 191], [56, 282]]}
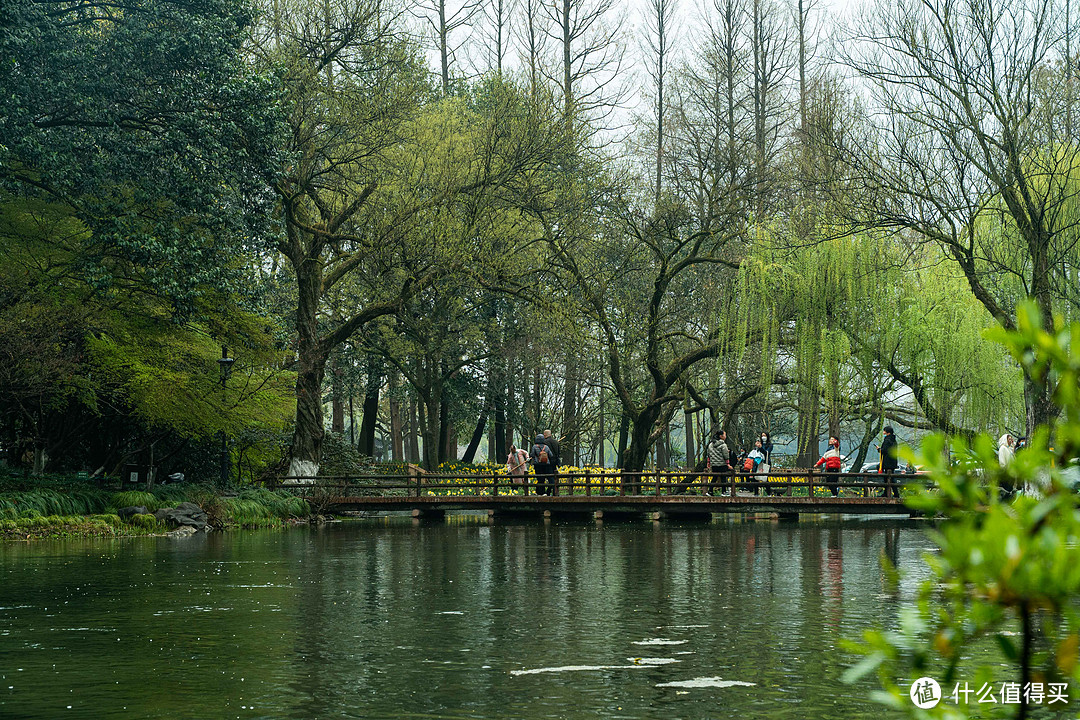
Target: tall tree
{"points": [[968, 155], [660, 35]]}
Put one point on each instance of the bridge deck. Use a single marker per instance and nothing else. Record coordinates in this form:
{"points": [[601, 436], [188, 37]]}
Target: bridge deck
{"points": [[673, 504], [788, 492]]}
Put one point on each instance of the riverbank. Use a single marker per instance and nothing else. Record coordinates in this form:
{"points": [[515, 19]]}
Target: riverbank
{"points": [[49, 508]]}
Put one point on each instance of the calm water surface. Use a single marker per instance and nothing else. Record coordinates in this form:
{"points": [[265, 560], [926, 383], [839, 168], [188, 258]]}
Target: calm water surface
{"points": [[384, 619]]}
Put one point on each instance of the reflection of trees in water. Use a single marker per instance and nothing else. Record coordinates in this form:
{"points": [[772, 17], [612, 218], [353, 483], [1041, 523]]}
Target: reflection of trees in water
{"points": [[774, 598]]}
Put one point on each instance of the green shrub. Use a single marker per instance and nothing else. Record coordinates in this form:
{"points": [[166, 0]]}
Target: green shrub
{"points": [[147, 522], [129, 498]]}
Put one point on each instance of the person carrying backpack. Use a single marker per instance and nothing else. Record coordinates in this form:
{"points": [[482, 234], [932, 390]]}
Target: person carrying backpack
{"points": [[542, 458], [719, 459]]}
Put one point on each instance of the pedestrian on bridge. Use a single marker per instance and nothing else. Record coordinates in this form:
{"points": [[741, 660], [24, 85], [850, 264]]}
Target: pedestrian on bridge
{"points": [[556, 457], [833, 461], [516, 464], [543, 461], [719, 460], [887, 450]]}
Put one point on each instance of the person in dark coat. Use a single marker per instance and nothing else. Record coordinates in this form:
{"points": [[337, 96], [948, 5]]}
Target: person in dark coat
{"points": [[543, 459], [766, 465], [887, 449], [556, 458]]}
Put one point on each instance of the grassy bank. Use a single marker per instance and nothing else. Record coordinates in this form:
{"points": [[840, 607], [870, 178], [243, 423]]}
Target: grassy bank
{"points": [[63, 508]]}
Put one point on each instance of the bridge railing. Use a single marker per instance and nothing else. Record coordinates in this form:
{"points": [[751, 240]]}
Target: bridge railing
{"points": [[794, 482]]}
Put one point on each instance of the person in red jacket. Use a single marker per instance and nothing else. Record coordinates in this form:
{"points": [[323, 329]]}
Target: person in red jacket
{"points": [[832, 460]]}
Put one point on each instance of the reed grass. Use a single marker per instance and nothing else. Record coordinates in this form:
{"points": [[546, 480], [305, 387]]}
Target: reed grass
{"points": [[73, 508]]}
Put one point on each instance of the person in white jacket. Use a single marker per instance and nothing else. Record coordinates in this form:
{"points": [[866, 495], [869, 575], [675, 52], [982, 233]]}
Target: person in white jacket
{"points": [[1005, 449]]}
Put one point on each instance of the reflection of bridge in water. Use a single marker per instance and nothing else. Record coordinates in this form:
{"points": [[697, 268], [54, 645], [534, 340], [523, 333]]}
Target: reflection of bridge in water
{"points": [[612, 494]]}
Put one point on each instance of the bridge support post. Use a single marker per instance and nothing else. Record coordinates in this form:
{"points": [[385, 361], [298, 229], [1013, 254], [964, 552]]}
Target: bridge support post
{"points": [[425, 514]]}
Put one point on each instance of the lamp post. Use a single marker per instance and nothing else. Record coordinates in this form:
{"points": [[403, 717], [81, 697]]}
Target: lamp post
{"points": [[225, 364]]}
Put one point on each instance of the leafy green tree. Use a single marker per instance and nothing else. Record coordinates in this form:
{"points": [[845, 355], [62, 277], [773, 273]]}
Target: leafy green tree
{"points": [[146, 125]]}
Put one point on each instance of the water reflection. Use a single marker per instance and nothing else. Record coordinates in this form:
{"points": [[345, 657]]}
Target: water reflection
{"points": [[462, 619]]}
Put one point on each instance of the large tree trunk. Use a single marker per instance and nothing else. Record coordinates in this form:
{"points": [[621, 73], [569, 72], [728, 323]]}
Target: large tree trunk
{"points": [[451, 442], [640, 430], [478, 431], [396, 437], [305, 453], [337, 395], [430, 428], [366, 444], [688, 420], [413, 449], [873, 427], [663, 453], [443, 440], [808, 428], [603, 436], [624, 432]]}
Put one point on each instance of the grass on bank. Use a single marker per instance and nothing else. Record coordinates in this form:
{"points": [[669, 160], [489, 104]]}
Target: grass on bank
{"points": [[59, 508]]}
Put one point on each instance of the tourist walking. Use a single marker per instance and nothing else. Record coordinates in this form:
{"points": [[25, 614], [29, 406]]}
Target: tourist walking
{"points": [[719, 460], [516, 464], [833, 461], [887, 451], [543, 465]]}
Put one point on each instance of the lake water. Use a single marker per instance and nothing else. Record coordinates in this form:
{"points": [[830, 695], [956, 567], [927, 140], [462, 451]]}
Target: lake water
{"points": [[462, 619]]}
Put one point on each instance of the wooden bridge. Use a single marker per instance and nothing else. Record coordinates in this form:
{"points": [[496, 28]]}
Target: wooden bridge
{"points": [[591, 493]]}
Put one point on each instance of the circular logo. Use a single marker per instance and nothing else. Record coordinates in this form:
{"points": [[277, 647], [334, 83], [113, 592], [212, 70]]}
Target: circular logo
{"points": [[925, 693]]}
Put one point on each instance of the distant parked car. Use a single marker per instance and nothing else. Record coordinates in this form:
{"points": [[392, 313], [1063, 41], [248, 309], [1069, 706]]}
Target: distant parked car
{"points": [[1071, 474], [869, 467]]}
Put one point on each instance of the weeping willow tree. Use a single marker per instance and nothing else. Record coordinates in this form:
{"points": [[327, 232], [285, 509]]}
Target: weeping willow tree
{"points": [[965, 149], [876, 331]]}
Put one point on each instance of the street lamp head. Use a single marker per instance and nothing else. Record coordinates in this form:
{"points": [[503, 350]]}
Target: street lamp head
{"points": [[225, 362]]}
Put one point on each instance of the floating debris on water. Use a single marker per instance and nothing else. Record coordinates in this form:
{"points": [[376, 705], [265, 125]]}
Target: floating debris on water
{"points": [[653, 661], [451, 612], [659, 641], [574, 668], [705, 682], [634, 663]]}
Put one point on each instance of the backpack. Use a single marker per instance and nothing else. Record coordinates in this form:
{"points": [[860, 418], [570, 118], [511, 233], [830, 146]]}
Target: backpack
{"points": [[541, 452], [748, 464]]}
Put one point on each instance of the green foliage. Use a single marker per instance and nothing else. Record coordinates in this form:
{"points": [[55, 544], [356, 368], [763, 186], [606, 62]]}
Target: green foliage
{"points": [[157, 142], [45, 501], [1006, 577], [256, 507], [146, 522], [134, 498], [341, 458]]}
